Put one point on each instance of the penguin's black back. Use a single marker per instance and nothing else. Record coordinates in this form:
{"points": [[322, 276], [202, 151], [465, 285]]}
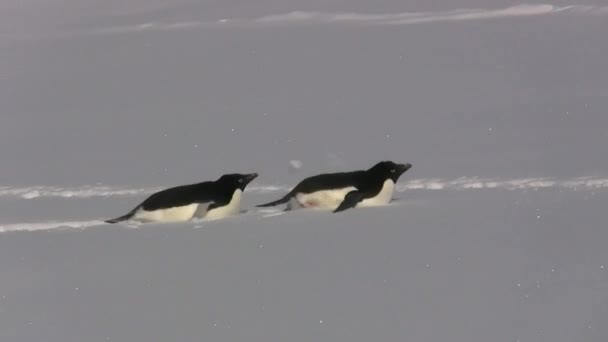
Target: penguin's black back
{"points": [[329, 181], [182, 195]]}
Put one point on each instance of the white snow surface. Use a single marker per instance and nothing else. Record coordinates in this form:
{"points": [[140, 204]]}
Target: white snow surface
{"points": [[452, 265], [497, 233]]}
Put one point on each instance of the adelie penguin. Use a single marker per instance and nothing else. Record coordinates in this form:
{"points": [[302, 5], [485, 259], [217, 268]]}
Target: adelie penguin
{"points": [[210, 200], [344, 190]]}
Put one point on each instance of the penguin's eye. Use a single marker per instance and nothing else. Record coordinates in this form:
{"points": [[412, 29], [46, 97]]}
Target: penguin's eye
{"points": [[240, 180], [392, 170]]}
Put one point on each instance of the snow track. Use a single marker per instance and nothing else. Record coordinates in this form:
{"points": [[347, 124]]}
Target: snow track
{"points": [[463, 183], [425, 184]]}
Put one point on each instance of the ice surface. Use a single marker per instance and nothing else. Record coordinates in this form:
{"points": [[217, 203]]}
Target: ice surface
{"points": [[498, 232]]}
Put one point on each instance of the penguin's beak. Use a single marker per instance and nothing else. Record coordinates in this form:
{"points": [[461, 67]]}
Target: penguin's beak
{"points": [[404, 167], [250, 177]]}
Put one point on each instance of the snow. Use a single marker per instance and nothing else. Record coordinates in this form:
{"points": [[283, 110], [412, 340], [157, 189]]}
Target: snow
{"points": [[497, 233], [300, 18], [461, 183], [452, 265], [295, 164]]}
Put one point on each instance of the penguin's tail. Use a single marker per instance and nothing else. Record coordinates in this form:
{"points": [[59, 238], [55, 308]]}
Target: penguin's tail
{"points": [[119, 219], [122, 218], [285, 199]]}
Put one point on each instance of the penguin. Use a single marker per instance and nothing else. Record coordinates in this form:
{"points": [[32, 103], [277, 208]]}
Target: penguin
{"points": [[344, 190], [210, 200]]}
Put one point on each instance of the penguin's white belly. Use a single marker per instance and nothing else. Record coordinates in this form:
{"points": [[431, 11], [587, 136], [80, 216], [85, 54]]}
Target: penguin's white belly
{"points": [[324, 199], [232, 208], [174, 214], [382, 198]]}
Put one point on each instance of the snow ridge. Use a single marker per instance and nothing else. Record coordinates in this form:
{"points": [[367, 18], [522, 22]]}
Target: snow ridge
{"points": [[463, 183], [305, 18], [424, 184], [475, 183], [14, 227]]}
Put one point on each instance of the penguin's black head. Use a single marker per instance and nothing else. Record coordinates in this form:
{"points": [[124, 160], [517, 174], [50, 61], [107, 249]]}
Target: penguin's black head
{"points": [[390, 170], [237, 180]]}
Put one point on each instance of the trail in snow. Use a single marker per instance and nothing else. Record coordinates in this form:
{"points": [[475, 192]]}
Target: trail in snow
{"points": [[304, 18], [86, 191], [435, 184], [48, 225], [474, 183], [463, 183], [33, 226]]}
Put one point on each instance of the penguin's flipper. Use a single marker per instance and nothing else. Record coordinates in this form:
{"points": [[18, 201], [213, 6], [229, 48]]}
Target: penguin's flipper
{"points": [[350, 200], [215, 205], [285, 199]]}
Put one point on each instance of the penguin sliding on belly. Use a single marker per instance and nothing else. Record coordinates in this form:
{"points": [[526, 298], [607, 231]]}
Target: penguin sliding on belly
{"points": [[344, 190], [210, 200]]}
